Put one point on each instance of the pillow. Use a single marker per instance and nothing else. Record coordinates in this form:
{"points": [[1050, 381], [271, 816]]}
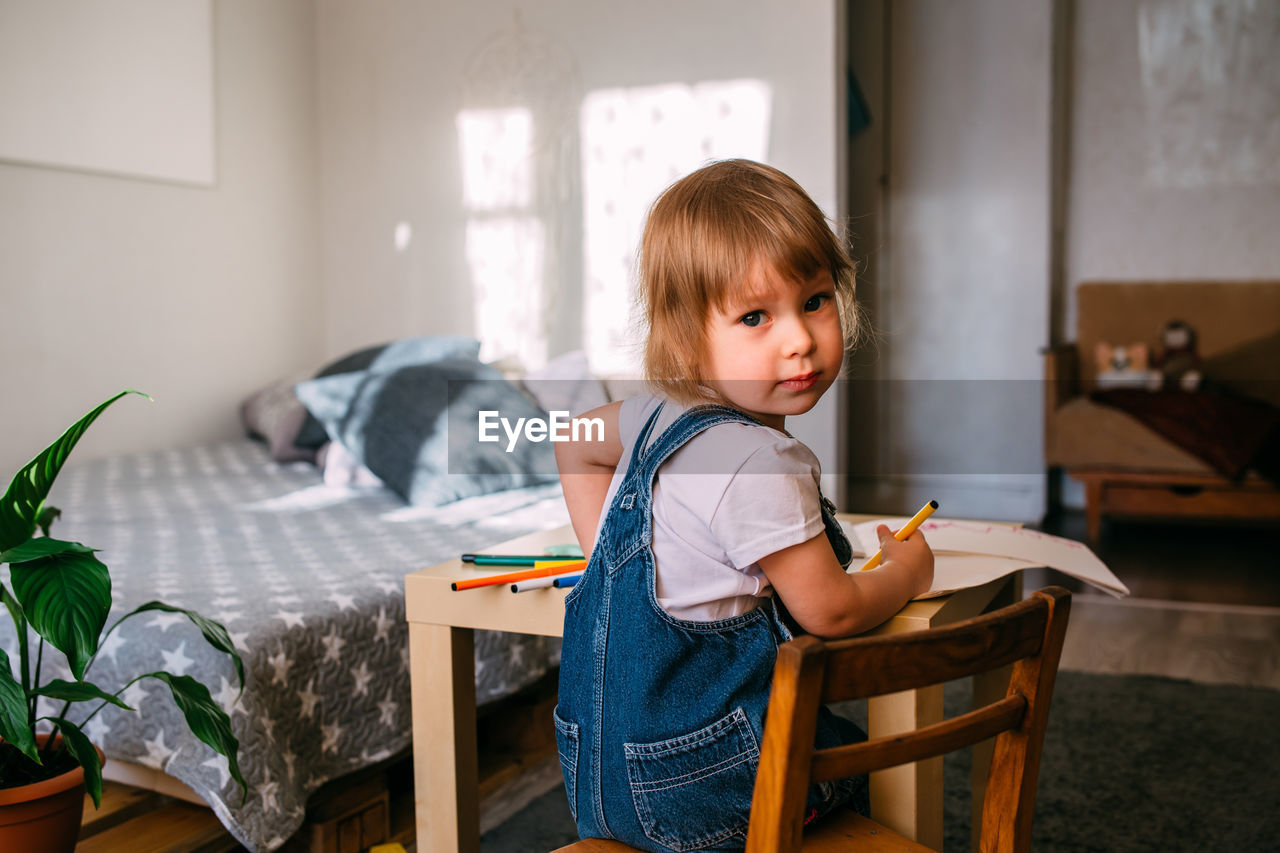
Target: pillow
{"points": [[565, 384], [276, 414], [419, 350], [417, 428], [1125, 366]]}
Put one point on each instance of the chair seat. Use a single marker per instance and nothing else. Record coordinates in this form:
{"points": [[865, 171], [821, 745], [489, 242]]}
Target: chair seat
{"points": [[594, 845], [847, 830], [841, 831]]}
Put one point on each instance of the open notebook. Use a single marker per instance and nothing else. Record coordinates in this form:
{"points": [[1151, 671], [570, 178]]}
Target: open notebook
{"points": [[971, 553]]}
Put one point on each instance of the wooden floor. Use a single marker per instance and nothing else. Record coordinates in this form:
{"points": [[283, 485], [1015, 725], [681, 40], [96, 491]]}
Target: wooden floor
{"points": [[1205, 606], [132, 820], [1205, 602], [143, 821]]}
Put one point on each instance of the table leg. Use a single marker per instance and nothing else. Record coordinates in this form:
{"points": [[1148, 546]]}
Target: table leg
{"points": [[908, 798], [445, 776]]}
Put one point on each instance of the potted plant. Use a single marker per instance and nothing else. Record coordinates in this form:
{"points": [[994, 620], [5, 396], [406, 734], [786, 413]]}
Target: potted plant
{"points": [[61, 592]]}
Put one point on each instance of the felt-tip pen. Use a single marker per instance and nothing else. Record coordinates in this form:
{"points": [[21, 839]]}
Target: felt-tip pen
{"points": [[901, 535]]}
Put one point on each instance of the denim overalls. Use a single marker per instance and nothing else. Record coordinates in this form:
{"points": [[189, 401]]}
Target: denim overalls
{"points": [[660, 720]]}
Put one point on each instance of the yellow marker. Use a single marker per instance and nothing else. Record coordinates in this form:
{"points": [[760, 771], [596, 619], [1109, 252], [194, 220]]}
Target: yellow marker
{"points": [[901, 535]]}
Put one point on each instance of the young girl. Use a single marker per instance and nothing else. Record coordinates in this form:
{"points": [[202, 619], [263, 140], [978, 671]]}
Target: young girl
{"points": [[717, 545]]}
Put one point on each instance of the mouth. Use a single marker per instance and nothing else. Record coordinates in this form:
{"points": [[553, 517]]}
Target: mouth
{"points": [[803, 382]]}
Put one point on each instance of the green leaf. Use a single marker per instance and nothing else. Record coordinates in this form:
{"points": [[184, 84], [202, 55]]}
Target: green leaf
{"points": [[82, 750], [15, 609], [34, 549], [21, 504], [46, 518], [207, 720], [213, 632], [77, 691], [13, 712], [66, 598], [20, 628]]}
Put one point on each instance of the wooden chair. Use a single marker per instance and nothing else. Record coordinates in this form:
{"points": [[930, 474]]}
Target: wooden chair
{"points": [[810, 672]]}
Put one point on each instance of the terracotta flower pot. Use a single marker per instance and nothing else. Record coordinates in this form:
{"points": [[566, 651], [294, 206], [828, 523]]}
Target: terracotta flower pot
{"points": [[44, 815]]}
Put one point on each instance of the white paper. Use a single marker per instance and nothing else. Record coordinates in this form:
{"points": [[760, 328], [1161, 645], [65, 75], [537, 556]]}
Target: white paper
{"points": [[953, 572], [971, 553]]}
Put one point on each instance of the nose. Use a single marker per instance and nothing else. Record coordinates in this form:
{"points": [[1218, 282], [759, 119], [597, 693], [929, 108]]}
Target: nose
{"points": [[798, 339]]}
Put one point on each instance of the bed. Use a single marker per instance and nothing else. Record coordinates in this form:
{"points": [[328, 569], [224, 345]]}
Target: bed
{"points": [[1208, 448], [308, 578], [309, 581]]}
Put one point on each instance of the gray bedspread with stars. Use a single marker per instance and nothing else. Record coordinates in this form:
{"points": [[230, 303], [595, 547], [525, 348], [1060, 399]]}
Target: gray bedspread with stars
{"points": [[309, 581]]}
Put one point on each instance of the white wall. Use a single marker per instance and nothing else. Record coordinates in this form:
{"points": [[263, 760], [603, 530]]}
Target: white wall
{"points": [[1131, 219], [194, 295], [392, 78]]}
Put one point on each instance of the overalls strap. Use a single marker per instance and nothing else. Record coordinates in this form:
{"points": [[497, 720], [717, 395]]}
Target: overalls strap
{"points": [[631, 512]]}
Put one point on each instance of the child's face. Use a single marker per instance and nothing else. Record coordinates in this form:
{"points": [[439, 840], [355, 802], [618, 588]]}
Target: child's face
{"points": [[776, 353]]}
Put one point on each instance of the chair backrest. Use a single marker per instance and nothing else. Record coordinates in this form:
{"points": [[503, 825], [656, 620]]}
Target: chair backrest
{"points": [[811, 671]]}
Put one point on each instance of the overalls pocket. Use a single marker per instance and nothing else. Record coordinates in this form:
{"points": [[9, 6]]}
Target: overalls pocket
{"points": [[567, 746], [693, 792]]}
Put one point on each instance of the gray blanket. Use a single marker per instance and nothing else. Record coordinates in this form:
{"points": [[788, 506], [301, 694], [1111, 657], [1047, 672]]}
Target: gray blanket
{"points": [[309, 581]]}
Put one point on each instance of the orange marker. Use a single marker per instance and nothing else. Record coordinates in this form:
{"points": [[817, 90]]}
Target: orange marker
{"points": [[543, 569]]}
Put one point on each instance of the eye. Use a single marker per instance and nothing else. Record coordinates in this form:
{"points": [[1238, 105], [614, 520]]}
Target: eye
{"points": [[817, 301], [752, 319]]}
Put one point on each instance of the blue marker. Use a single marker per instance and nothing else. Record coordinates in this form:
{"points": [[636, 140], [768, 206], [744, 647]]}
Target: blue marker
{"points": [[562, 583]]}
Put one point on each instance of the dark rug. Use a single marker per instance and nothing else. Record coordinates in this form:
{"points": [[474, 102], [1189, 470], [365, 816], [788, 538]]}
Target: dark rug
{"points": [[1130, 763]]}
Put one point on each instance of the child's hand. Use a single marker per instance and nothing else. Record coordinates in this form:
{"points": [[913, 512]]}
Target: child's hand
{"points": [[828, 601], [914, 557]]}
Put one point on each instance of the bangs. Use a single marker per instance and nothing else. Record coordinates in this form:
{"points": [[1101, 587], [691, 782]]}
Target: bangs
{"points": [[797, 247]]}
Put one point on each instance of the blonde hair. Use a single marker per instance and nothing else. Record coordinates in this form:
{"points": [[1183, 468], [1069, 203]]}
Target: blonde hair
{"points": [[703, 235]]}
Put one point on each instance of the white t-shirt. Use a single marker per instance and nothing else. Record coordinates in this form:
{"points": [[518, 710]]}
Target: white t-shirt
{"points": [[732, 494]]}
